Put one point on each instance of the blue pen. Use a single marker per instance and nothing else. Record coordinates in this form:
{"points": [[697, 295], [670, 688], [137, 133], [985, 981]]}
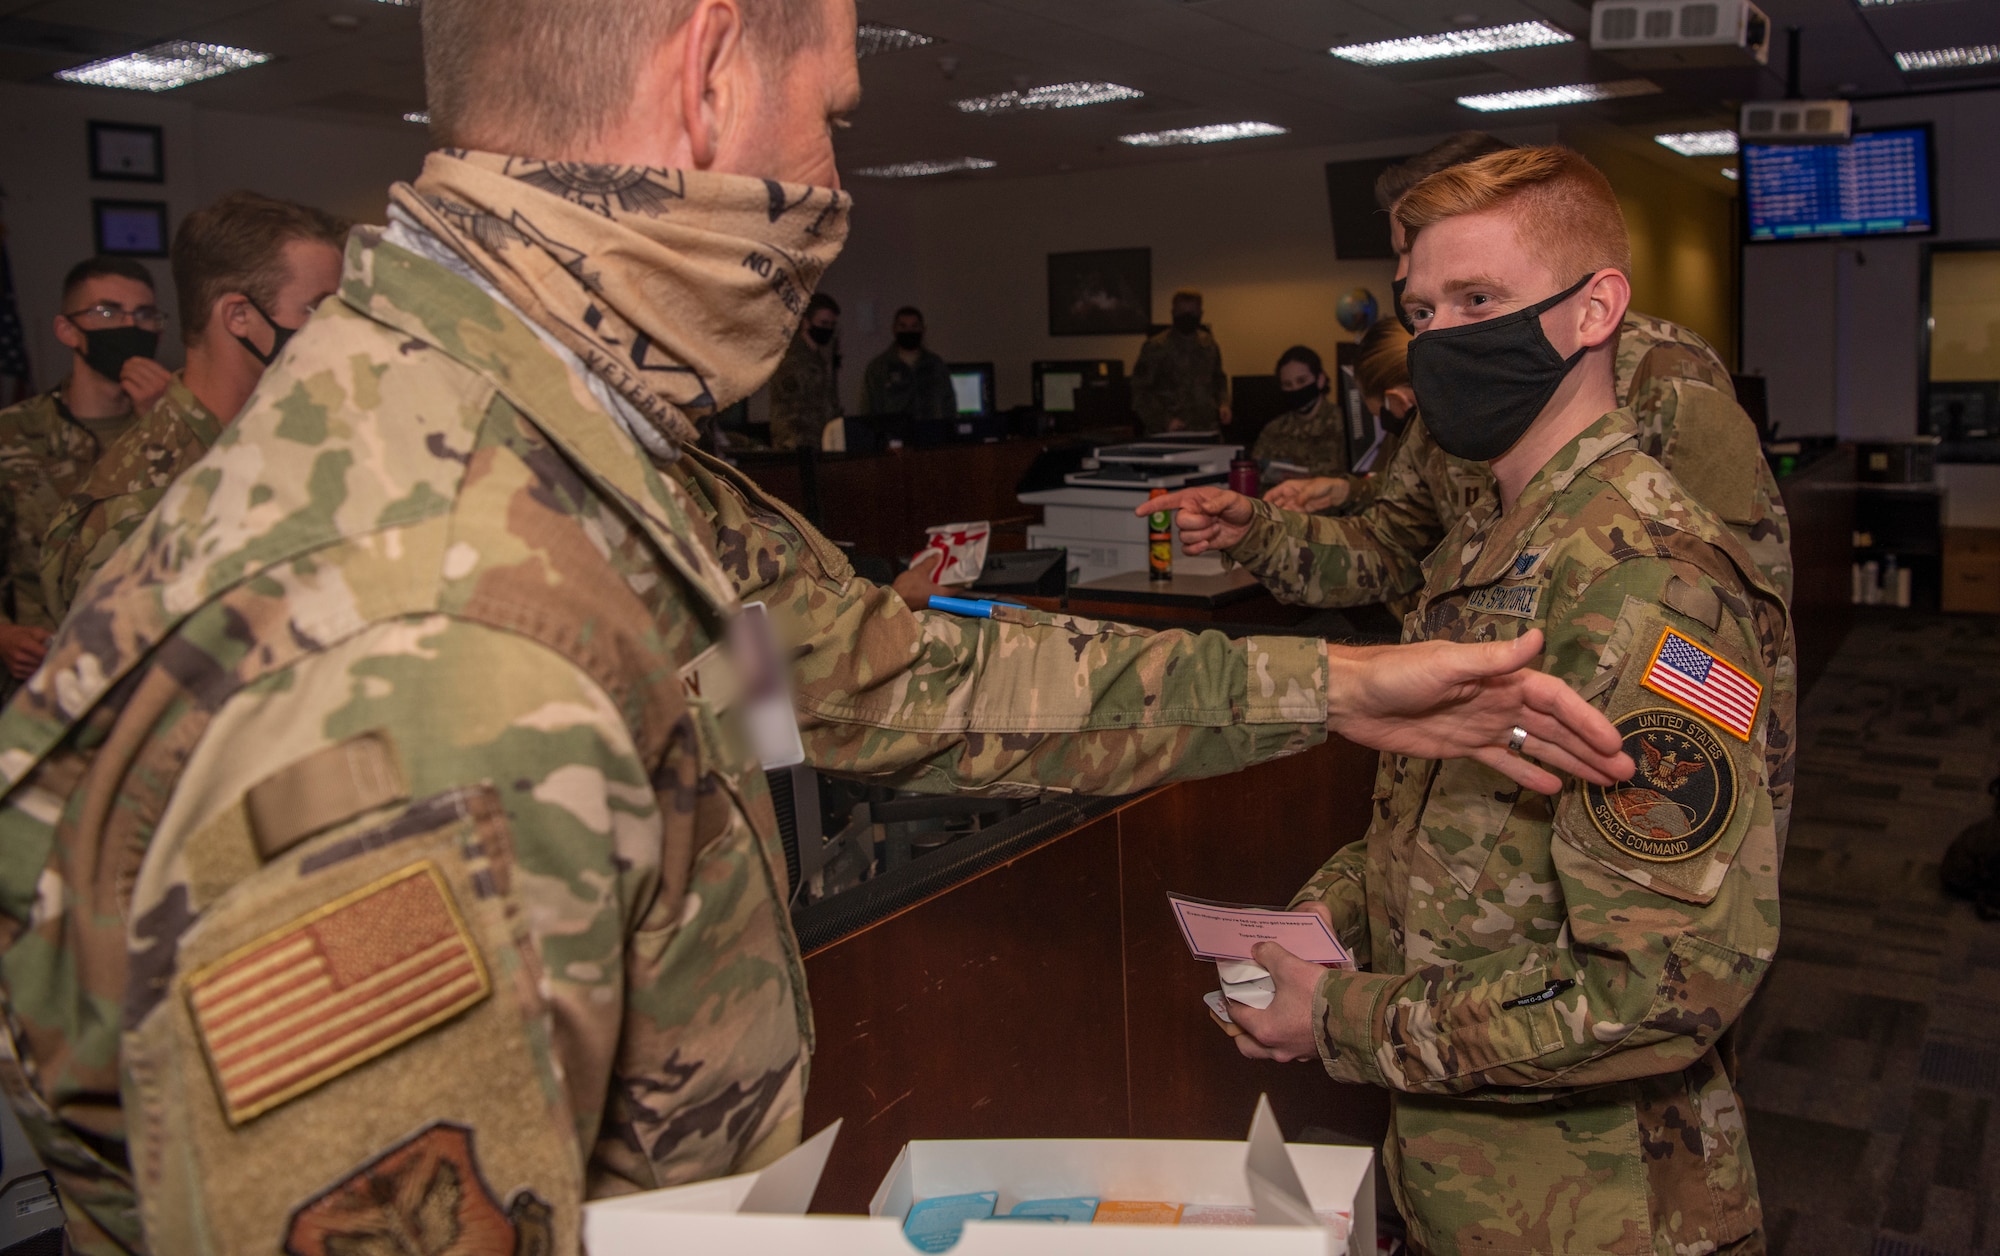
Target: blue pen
{"points": [[973, 608]]}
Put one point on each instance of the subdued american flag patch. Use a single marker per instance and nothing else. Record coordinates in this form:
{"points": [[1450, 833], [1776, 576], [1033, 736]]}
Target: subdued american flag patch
{"points": [[334, 989], [1703, 683]]}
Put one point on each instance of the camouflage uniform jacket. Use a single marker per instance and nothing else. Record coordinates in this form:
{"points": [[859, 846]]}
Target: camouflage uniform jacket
{"points": [[45, 453], [127, 482], [1315, 440], [417, 687], [1542, 982], [1178, 383], [892, 386], [1685, 407], [804, 398]]}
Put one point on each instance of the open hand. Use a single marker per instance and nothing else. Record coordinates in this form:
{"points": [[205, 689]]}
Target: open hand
{"points": [[1210, 518], [1310, 494], [22, 649], [1449, 700], [145, 382]]}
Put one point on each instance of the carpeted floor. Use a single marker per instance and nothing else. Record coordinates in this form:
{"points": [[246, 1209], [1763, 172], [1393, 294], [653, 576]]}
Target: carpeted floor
{"points": [[1871, 1059]]}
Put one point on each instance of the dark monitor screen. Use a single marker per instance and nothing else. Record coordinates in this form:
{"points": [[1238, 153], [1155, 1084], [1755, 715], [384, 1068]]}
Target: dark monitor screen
{"points": [[1878, 184]]}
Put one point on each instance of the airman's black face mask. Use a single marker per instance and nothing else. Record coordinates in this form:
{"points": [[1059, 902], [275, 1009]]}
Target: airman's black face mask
{"points": [[1484, 384]]}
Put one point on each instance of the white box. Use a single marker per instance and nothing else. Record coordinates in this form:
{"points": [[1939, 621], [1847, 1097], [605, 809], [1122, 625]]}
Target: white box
{"points": [[703, 1217]]}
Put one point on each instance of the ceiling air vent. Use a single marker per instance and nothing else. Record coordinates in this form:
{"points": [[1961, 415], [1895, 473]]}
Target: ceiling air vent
{"points": [[1671, 34]]}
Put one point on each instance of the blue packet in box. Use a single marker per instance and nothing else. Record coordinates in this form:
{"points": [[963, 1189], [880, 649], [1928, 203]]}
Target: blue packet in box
{"points": [[1077, 1211], [935, 1224]]}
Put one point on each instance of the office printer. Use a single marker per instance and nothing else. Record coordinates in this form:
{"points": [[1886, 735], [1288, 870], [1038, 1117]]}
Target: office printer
{"points": [[1091, 514]]}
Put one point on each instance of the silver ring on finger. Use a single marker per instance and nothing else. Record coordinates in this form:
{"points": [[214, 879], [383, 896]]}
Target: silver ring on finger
{"points": [[1518, 739]]}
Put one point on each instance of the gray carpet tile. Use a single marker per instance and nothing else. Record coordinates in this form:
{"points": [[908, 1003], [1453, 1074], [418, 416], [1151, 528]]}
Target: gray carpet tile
{"points": [[1871, 1058]]}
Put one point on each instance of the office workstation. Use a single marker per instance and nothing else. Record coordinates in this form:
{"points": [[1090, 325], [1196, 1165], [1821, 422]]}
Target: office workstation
{"points": [[790, 625]]}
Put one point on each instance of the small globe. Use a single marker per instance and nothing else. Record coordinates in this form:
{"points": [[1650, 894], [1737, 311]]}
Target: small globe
{"points": [[1356, 311]]}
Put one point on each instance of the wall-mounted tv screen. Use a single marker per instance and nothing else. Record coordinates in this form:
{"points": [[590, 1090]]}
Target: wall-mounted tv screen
{"points": [[1878, 184]]}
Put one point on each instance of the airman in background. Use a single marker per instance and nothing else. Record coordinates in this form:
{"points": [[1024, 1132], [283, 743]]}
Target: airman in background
{"points": [[1311, 432], [1383, 376], [249, 270], [805, 390], [1178, 384], [111, 324]]}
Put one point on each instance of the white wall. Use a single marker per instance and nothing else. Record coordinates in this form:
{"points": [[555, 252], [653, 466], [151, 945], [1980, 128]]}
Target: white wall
{"points": [[1801, 301], [45, 168]]}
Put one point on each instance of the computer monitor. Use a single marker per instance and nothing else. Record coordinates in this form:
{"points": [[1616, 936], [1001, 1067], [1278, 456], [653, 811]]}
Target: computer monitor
{"points": [[1060, 385], [972, 387], [1880, 183]]}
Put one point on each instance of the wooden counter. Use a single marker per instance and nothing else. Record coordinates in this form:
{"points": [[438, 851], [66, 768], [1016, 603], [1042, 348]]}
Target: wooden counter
{"points": [[1053, 996], [1819, 502]]}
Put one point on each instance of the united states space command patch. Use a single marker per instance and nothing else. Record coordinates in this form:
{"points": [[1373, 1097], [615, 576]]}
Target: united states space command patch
{"points": [[1683, 795]]}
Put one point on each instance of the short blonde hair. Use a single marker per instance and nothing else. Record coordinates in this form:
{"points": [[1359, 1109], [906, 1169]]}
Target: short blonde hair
{"points": [[534, 78], [1563, 207]]}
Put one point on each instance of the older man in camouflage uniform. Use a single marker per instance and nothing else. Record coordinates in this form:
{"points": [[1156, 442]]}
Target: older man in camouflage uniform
{"points": [[1178, 384], [384, 859], [48, 444], [1542, 984]]}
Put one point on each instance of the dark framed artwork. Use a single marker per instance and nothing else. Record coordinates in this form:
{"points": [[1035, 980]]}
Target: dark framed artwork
{"points": [[130, 228], [128, 152], [1108, 292]]}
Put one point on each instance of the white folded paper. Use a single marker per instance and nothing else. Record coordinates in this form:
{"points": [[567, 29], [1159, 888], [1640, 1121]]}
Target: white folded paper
{"points": [[1247, 983]]}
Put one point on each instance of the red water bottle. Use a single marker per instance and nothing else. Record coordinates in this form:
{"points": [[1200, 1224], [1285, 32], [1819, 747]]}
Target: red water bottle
{"points": [[1243, 477]]}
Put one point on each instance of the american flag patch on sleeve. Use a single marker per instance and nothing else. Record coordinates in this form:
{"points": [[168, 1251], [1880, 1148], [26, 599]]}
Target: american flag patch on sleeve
{"points": [[1703, 683], [334, 989]]}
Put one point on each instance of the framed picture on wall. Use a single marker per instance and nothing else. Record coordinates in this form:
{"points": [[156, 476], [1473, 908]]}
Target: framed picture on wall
{"points": [[128, 152], [130, 228], [1108, 292]]}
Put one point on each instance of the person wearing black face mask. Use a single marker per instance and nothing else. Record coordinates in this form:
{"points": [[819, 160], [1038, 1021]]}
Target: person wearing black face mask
{"points": [[110, 323], [1308, 436], [805, 389], [1383, 375], [1178, 384], [907, 378], [249, 270]]}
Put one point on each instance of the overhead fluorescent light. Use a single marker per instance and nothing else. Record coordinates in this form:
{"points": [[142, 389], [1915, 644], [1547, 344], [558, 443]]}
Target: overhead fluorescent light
{"points": [[1729, 173], [1054, 96], [1569, 94], [1214, 134], [1963, 57], [917, 169], [163, 67], [1699, 143], [1455, 44], [400, 4], [1882, 4], [874, 37], [417, 116]]}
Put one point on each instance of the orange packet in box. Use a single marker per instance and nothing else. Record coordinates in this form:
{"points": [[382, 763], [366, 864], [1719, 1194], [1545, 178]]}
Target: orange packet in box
{"points": [[1136, 1212]]}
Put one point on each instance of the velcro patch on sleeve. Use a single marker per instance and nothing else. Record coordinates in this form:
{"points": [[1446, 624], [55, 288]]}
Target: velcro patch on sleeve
{"points": [[335, 988], [1703, 683]]}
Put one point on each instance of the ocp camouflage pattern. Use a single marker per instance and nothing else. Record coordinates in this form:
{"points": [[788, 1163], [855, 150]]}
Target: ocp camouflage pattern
{"points": [[1684, 405], [44, 456], [426, 533], [1178, 383], [1548, 1009], [1315, 440], [121, 490]]}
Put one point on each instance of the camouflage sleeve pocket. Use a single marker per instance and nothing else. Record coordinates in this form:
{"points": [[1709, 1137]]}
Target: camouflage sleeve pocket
{"points": [[357, 1007]]}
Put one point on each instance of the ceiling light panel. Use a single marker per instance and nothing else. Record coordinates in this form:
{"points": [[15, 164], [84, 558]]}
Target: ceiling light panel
{"points": [[164, 67], [1216, 134], [918, 169], [1570, 94], [1054, 96], [1455, 44], [418, 116], [1729, 173], [1883, 4], [1964, 57], [874, 37], [1699, 143]]}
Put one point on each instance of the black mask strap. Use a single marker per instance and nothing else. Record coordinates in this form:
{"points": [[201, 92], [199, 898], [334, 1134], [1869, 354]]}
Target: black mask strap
{"points": [[280, 334]]}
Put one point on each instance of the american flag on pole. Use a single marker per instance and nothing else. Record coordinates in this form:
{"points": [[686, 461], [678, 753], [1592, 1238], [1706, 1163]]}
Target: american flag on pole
{"points": [[1703, 683], [334, 989]]}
